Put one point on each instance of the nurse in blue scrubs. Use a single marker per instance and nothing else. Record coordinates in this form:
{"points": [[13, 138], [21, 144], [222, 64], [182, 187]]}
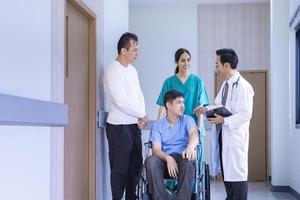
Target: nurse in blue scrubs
{"points": [[190, 85]]}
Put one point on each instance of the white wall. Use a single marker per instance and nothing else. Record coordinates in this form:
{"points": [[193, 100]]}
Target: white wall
{"points": [[161, 29], [294, 140], [293, 7], [242, 27], [25, 71], [279, 83], [25, 158], [285, 138], [25, 48], [115, 24]]}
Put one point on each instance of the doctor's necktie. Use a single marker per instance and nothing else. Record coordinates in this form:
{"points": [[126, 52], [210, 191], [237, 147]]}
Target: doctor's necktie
{"points": [[224, 98], [224, 93]]}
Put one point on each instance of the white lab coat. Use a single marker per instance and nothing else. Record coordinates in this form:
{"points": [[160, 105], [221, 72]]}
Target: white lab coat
{"points": [[235, 130]]}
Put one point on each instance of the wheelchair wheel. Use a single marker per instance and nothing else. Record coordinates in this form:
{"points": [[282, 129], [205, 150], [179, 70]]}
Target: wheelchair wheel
{"points": [[142, 187], [207, 182], [139, 188]]}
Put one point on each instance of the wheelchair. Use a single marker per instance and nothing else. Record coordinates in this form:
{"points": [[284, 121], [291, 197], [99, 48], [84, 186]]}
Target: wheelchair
{"points": [[201, 186]]}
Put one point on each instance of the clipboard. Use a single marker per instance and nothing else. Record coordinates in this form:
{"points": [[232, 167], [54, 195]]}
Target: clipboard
{"points": [[216, 109]]}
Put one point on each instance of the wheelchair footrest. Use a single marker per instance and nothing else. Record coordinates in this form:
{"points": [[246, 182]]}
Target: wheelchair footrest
{"points": [[171, 185]]}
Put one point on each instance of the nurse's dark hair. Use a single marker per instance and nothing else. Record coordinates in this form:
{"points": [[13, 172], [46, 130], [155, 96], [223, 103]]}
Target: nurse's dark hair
{"points": [[228, 56], [170, 96], [124, 41], [178, 53]]}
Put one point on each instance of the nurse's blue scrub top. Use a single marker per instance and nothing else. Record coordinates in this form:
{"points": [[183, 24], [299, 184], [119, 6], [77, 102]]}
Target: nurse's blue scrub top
{"points": [[193, 91]]}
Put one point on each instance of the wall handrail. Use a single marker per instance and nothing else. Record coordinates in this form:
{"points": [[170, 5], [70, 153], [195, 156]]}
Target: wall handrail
{"points": [[15, 110]]}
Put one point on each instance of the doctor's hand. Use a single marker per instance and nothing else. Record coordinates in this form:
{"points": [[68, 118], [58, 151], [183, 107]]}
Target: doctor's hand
{"points": [[218, 119], [199, 110], [172, 166]]}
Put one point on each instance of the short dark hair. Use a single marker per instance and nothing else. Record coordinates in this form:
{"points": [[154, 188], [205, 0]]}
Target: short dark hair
{"points": [[124, 41], [229, 56], [170, 96], [178, 53]]}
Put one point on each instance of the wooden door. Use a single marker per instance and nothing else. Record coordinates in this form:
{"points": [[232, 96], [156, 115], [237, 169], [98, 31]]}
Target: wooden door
{"points": [[76, 148], [258, 124]]}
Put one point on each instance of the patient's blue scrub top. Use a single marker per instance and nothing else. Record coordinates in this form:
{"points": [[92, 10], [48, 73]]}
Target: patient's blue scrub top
{"points": [[173, 139], [194, 93]]}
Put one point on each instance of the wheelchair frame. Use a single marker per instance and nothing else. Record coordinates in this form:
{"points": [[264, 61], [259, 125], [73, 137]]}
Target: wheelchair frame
{"points": [[202, 178]]}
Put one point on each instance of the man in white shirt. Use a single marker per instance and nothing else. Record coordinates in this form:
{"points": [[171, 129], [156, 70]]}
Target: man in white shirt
{"points": [[125, 119]]}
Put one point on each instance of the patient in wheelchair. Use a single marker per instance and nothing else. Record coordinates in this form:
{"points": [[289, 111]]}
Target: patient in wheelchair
{"points": [[174, 140]]}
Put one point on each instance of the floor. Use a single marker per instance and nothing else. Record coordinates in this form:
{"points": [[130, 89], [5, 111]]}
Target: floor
{"points": [[257, 191]]}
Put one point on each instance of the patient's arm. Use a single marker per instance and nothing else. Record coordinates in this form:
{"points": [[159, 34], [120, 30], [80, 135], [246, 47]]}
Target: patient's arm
{"points": [[161, 112], [171, 163], [190, 151]]}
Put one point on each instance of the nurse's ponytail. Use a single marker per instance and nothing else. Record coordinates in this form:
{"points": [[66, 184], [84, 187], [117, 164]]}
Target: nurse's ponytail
{"points": [[177, 69]]}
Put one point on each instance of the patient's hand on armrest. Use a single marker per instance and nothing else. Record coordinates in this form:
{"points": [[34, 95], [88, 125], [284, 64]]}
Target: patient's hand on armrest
{"points": [[189, 154]]}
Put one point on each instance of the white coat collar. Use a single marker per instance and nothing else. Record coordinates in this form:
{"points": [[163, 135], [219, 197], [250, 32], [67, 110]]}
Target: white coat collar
{"points": [[234, 78]]}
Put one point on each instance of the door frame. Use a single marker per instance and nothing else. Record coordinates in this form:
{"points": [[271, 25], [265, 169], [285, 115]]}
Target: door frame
{"points": [[267, 139], [84, 9]]}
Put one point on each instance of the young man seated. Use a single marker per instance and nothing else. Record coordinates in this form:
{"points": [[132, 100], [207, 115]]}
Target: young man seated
{"points": [[174, 141]]}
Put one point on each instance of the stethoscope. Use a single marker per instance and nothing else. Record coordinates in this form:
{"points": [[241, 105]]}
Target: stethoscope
{"points": [[236, 83]]}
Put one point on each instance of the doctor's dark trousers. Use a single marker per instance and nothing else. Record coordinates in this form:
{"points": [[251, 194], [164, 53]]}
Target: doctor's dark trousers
{"points": [[234, 190], [125, 158]]}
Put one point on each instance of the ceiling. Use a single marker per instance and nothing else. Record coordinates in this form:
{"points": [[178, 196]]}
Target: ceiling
{"points": [[149, 2]]}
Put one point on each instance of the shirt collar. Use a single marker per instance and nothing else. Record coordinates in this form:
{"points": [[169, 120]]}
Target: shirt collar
{"points": [[234, 78], [169, 124]]}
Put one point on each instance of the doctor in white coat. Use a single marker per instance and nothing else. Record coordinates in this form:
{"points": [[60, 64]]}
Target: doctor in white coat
{"points": [[236, 94]]}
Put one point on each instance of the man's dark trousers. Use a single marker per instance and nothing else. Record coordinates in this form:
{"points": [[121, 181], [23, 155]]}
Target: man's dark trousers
{"points": [[125, 158]]}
